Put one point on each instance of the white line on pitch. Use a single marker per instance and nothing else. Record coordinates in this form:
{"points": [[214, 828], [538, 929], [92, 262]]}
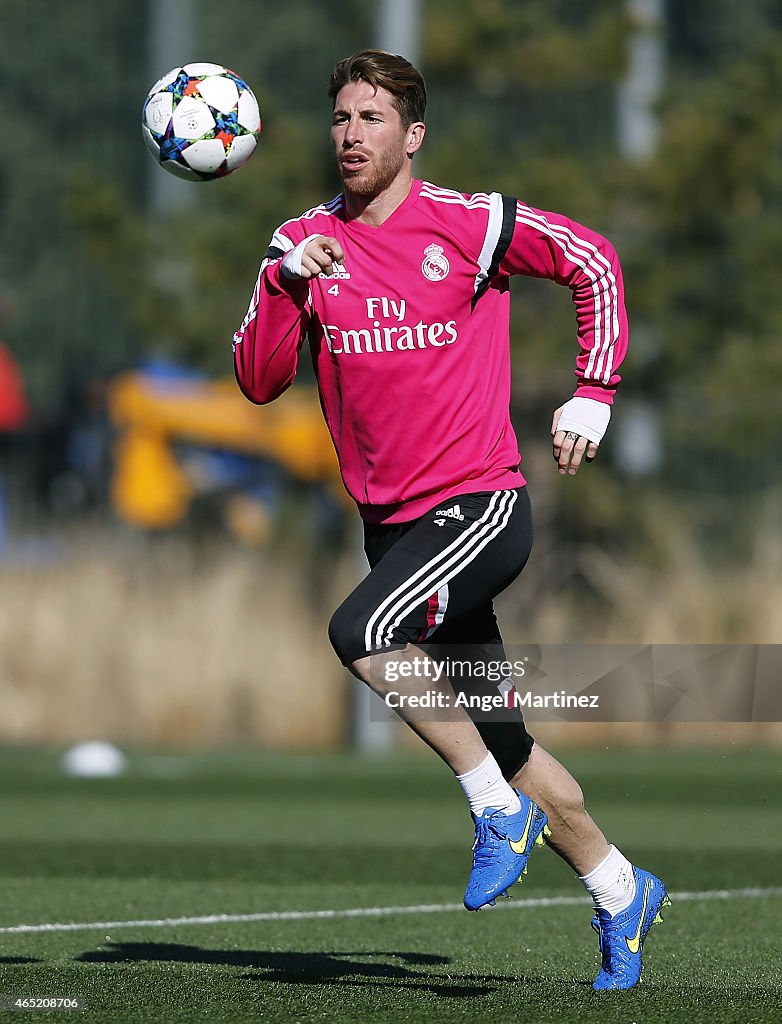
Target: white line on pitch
{"points": [[313, 915]]}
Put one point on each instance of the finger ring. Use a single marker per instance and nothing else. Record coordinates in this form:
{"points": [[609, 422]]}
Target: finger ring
{"points": [[571, 435]]}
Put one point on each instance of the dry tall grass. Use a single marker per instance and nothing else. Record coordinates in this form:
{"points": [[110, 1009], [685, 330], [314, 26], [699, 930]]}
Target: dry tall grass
{"points": [[172, 645], [678, 592], [166, 647], [673, 591]]}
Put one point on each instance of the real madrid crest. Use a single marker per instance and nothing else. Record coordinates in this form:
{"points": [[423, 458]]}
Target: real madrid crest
{"points": [[435, 265]]}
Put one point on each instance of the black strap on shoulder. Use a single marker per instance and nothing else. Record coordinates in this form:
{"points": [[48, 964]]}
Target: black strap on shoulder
{"points": [[509, 204]]}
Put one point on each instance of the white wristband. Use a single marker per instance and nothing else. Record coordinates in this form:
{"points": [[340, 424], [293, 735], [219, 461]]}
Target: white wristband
{"points": [[585, 416], [291, 263]]}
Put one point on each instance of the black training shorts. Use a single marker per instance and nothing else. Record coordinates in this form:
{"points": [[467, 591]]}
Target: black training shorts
{"points": [[432, 583]]}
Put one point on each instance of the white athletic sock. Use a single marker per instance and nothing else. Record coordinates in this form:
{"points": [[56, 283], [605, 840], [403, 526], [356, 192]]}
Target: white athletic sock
{"points": [[485, 787], [612, 883]]}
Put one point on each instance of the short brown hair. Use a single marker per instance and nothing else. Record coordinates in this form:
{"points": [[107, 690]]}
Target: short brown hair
{"points": [[387, 71]]}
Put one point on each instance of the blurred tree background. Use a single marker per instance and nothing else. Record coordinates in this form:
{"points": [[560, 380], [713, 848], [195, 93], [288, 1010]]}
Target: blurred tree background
{"points": [[523, 99]]}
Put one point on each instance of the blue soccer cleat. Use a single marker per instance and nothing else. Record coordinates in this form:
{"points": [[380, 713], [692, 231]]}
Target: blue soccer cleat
{"points": [[503, 843], [621, 937]]}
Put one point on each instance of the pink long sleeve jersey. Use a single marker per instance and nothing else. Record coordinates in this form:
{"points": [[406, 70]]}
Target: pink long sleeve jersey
{"points": [[410, 338]]}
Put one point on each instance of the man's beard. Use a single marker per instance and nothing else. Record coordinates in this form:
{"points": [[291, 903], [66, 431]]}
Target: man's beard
{"points": [[374, 181]]}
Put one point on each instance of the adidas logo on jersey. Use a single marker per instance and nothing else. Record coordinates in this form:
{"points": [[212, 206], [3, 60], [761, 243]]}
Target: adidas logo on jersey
{"points": [[453, 513]]}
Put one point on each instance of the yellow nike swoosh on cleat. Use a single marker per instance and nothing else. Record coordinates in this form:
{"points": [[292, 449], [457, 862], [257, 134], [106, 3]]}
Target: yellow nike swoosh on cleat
{"points": [[634, 944], [520, 845]]}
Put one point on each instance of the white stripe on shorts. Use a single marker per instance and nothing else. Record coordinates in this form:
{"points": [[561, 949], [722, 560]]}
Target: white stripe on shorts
{"points": [[390, 598], [457, 562], [435, 573]]}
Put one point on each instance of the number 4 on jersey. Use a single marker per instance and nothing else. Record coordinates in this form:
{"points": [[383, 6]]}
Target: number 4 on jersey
{"points": [[334, 290]]}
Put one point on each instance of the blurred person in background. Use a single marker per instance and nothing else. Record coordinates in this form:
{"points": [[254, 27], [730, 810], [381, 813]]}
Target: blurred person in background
{"points": [[14, 410], [402, 289]]}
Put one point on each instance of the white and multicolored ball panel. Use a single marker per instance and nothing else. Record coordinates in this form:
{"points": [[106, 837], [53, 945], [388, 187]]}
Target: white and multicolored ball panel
{"points": [[201, 122]]}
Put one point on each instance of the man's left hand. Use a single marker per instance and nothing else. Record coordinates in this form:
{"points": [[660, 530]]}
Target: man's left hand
{"points": [[569, 448]]}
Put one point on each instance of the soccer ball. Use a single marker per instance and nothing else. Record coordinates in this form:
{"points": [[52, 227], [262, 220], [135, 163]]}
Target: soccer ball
{"points": [[201, 121]]}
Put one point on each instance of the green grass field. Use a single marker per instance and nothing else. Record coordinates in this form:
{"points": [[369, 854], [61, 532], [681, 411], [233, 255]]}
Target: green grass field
{"points": [[244, 834]]}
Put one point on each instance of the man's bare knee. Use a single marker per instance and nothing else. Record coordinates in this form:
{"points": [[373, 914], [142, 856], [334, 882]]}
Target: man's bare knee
{"points": [[376, 671], [361, 668]]}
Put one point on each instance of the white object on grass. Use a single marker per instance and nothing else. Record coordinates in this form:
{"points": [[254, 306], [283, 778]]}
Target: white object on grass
{"points": [[93, 759]]}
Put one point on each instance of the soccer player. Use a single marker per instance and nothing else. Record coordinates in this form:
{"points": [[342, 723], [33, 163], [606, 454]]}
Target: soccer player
{"points": [[401, 288]]}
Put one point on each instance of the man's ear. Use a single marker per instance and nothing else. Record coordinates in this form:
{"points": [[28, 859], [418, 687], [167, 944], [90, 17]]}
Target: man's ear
{"points": [[415, 136]]}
